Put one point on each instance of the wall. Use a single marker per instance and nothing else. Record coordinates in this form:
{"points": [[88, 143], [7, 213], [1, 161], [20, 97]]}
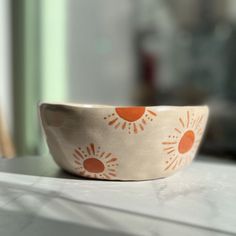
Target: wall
{"points": [[101, 54]]}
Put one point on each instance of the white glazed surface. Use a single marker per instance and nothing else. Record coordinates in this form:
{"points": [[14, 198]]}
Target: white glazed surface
{"points": [[93, 141]]}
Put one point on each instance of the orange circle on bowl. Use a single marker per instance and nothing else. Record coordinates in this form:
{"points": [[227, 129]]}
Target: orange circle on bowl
{"points": [[130, 114], [93, 165], [187, 141]]}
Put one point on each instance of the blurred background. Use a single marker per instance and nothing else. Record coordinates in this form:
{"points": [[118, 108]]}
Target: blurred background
{"points": [[126, 52]]}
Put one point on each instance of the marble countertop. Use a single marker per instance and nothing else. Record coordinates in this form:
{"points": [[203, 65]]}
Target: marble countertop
{"points": [[37, 198]]}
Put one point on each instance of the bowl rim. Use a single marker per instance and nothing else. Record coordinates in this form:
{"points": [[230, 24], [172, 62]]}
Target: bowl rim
{"points": [[102, 106]]}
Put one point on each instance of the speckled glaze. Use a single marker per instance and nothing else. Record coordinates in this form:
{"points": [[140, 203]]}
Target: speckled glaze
{"points": [[123, 143]]}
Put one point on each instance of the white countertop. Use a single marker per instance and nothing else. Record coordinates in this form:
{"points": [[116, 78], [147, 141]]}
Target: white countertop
{"points": [[200, 200]]}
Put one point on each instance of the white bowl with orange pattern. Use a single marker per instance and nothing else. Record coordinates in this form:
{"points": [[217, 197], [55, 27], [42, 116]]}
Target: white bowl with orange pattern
{"points": [[123, 143]]}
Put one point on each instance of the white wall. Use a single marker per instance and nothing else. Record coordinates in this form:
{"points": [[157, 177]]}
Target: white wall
{"points": [[101, 51], [5, 62]]}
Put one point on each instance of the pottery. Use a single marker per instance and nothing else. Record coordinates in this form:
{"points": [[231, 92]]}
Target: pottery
{"points": [[123, 143]]}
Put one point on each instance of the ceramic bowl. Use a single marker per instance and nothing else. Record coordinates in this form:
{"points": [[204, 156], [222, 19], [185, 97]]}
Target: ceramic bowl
{"points": [[123, 143]]}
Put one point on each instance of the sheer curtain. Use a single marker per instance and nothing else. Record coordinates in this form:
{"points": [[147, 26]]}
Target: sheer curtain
{"points": [[5, 61], [38, 65], [6, 147]]}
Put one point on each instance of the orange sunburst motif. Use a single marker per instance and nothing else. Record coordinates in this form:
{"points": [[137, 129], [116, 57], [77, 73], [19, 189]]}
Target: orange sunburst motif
{"points": [[183, 143], [93, 163], [132, 119]]}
